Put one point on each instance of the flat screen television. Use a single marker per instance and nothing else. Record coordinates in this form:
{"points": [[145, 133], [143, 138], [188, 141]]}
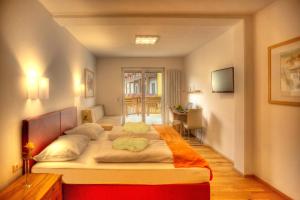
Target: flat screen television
{"points": [[222, 80]]}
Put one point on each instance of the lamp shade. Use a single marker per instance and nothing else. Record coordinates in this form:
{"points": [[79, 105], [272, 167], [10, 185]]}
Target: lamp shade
{"points": [[32, 88], [44, 88]]}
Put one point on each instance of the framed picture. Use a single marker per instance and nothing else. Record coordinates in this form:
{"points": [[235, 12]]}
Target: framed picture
{"points": [[89, 83], [284, 73]]}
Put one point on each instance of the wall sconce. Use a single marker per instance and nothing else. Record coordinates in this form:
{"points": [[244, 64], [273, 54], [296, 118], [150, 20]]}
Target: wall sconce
{"points": [[44, 88], [79, 88], [32, 87], [37, 87]]}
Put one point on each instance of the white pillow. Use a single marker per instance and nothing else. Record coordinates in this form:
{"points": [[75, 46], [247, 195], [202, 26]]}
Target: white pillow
{"points": [[66, 147], [92, 130]]}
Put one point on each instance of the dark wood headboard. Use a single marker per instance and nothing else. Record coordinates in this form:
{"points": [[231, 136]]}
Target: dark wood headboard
{"points": [[44, 129]]}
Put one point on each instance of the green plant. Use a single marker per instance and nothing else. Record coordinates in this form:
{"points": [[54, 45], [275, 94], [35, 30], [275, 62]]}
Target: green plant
{"points": [[179, 108]]}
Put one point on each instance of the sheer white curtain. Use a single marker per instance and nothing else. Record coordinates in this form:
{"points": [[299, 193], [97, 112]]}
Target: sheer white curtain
{"points": [[173, 90]]}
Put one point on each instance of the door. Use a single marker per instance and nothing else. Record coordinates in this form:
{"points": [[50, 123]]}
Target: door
{"points": [[143, 95], [153, 93]]}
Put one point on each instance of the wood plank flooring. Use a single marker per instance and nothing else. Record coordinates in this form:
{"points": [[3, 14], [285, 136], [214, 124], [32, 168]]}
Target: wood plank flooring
{"points": [[228, 183]]}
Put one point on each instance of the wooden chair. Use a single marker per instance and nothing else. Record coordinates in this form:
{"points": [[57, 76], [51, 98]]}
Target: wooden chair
{"points": [[194, 121], [175, 121]]}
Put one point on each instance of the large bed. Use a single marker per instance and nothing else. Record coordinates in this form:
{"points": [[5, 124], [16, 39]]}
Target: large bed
{"points": [[84, 178]]}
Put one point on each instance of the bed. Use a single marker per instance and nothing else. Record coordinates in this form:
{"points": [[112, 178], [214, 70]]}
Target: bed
{"points": [[85, 179]]}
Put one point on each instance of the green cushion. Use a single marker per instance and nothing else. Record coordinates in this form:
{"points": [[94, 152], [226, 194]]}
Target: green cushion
{"points": [[136, 127], [130, 144]]}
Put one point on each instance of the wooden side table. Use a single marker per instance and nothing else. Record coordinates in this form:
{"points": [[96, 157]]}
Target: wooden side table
{"points": [[107, 127], [43, 186]]}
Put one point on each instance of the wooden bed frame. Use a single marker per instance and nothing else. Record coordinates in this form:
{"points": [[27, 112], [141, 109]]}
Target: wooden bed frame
{"points": [[44, 129]]}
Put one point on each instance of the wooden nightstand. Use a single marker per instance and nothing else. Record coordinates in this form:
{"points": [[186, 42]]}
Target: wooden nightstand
{"points": [[43, 186], [107, 127]]}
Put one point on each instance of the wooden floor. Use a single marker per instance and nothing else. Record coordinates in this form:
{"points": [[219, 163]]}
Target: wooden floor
{"points": [[228, 183]]}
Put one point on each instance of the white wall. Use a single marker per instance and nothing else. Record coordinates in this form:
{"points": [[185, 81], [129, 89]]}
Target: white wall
{"points": [[223, 113], [109, 78], [277, 128], [30, 39]]}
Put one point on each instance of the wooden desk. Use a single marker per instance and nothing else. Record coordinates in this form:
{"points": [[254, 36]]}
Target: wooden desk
{"points": [[43, 186]]}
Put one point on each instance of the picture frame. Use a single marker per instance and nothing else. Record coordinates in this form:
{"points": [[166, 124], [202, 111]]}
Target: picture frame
{"points": [[89, 82], [284, 73]]}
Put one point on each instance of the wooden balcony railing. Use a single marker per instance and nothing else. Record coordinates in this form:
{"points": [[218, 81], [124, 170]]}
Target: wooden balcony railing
{"points": [[133, 105]]}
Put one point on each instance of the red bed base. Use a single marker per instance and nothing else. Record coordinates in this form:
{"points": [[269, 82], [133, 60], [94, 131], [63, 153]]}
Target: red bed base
{"points": [[199, 191]]}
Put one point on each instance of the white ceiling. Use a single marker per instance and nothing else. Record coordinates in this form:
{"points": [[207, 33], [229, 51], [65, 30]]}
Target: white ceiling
{"points": [[108, 28], [116, 37]]}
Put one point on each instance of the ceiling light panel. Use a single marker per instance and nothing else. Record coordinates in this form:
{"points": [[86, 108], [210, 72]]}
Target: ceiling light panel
{"points": [[146, 39]]}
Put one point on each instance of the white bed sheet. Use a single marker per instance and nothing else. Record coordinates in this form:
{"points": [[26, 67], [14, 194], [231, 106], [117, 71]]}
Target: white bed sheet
{"points": [[85, 170]]}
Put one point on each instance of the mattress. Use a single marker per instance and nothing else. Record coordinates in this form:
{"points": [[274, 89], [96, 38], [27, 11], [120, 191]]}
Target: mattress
{"points": [[85, 170]]}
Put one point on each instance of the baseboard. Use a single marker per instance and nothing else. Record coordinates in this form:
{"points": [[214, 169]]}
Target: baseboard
{"points": [[270, 186], [239, 172]]}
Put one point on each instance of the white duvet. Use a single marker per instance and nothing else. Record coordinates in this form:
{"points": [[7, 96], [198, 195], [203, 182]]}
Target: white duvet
{"points": [[156, 152]]}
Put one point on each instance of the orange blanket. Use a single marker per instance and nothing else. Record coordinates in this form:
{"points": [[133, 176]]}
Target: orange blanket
{"points": [[183, 154]]}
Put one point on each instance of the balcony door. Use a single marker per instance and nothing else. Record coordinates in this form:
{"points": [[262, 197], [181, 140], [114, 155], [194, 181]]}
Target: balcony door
{"points": [[143, 95]]}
